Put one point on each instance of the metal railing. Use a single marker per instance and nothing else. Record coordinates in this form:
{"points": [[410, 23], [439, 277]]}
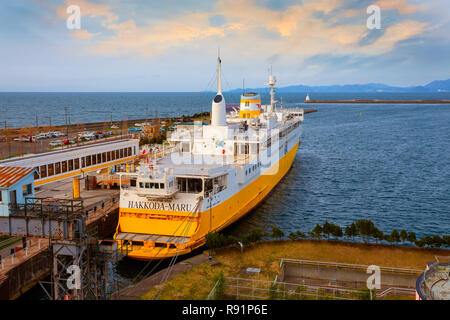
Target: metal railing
{"points": [[245, 288], [264, 289], [338, 265]]}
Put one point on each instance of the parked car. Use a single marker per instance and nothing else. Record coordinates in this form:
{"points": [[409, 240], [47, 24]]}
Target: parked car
{"points": [[89, 136], [55, 143], [54, 134], [99, 135]]}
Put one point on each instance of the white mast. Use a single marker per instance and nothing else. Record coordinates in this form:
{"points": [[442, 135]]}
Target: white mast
{"points": [[272, 82], [218, 108]]}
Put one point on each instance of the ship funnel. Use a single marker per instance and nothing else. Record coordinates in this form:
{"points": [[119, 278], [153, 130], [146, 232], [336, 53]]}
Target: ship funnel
{"points": [[218, 108]]}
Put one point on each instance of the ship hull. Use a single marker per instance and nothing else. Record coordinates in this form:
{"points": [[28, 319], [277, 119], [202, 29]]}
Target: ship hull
{"points": [[214, 219]]}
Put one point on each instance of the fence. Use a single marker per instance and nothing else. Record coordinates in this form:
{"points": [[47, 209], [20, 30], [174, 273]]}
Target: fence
{"points": [[243, 288], [398, 280], [347, 266]]}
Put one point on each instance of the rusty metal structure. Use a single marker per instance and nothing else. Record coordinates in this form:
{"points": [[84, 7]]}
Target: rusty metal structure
{"points": [[79, 263]]}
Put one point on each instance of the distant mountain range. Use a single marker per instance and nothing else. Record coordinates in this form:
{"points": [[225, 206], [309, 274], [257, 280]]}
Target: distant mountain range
{"points": [[435, 86]]}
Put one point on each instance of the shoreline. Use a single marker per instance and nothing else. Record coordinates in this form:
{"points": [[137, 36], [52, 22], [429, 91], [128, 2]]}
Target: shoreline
{"points": [[381, 101]]}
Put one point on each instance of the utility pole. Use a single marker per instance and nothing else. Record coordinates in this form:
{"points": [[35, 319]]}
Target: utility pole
{"points": [[50, 122], [67, 123], [7, 140]]}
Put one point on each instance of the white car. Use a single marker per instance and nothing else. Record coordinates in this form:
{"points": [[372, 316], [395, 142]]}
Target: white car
{"points": [[89, 136], [55, 143]]}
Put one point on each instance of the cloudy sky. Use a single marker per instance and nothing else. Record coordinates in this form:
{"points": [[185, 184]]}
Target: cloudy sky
{"points": [[155, 45]]}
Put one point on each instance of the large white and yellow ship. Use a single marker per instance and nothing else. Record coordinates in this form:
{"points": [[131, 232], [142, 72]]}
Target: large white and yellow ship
{"points": [[212, 177]]}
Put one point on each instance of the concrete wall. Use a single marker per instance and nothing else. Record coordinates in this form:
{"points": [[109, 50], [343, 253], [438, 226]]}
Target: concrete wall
{"points": [[25, 276], [357, 278]]}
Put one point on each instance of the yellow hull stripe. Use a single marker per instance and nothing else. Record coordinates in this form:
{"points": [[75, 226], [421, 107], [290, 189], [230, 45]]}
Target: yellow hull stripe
{"points": [[251, 100], [249, 113]]}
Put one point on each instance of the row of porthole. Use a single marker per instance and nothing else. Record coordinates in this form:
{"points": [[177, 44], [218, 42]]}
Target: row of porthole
{"points": [[254, 167]]}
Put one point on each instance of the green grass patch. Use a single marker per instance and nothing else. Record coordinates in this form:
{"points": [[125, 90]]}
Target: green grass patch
{"points": [[6, 241]]}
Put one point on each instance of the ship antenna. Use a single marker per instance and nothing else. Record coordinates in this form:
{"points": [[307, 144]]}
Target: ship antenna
{"points": [[243, 86], [219, 82]]}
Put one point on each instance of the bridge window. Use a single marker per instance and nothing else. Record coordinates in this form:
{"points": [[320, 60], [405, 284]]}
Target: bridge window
{"points": [[121, 153], [104, 157], [108, 156], [88, 161], [215, 185], [94, 159], [189, 185], [70, 164]]}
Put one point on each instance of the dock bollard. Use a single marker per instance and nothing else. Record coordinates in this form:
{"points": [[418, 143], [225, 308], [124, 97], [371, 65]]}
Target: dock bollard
{"points": [[3, 264], [39, 244], [12, 259], [26, 252]]}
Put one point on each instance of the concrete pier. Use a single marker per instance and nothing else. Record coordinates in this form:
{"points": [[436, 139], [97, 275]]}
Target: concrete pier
{"points": [[22, 270]]}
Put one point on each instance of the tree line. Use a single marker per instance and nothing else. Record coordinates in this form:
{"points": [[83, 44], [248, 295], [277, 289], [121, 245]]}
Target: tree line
{"points": [[363, 229]]}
